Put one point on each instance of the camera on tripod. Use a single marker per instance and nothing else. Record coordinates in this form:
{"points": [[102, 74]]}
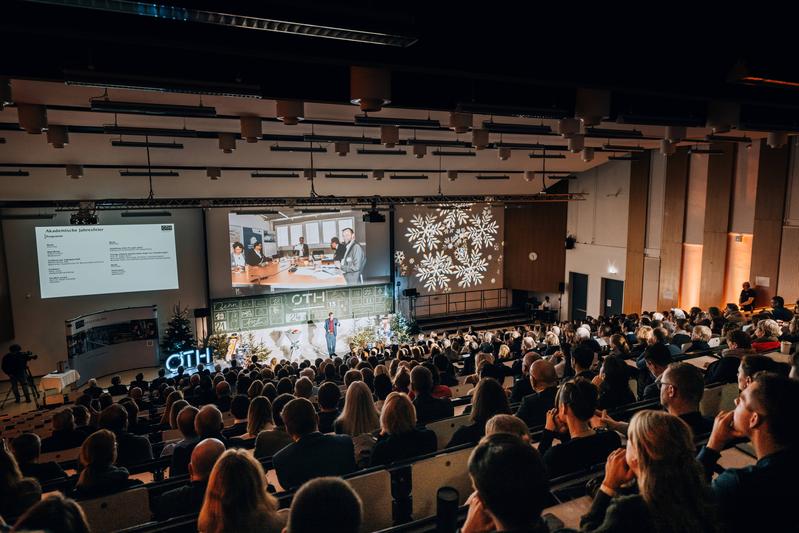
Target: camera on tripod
{"points": [[29, 355]]}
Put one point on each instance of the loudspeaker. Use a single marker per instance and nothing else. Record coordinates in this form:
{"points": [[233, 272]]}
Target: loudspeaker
{"points": [[202, 312], [562, 287], [410, 293]]}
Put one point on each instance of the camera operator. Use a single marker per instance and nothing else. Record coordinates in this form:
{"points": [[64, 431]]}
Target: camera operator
{"points": [[15, 365]]}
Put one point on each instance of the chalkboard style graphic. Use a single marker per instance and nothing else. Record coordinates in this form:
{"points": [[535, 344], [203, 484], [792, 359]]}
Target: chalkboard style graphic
{"points": [[233, 315]]}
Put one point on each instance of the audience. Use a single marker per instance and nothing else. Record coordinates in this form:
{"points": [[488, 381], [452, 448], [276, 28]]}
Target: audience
{"points": [[359, 420], [239, 408], [758, 497], [428, 408], [725, 370], [328, 397], [131, 449], [64, 435], [671, 496], [54, 513], [27, 448], [312, 454], [325, 504], [100, 475], [509, 424], [613, 382], [767, 333], [181, 452], [273, 439], [259, 418], [521, 384], [237, 498], [17, 493], [189, 497], [399, 437], [544, 381], [657, 357], [489, 399]]}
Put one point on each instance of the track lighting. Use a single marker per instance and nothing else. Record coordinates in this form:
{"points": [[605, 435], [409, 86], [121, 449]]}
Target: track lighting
{"points": [[675, 134], [74, 171], [667, 147], [503, 153], [479, 138], [389, 136], [576, 143], [460, 122], [251, 128], [529, 175], [370, 88], [227, 142], [776, 139], [568, 127], [213, 173], [32, 118], [378, 175], [591, 106], [58, 136], [452, 175], [419, 150], [290, 111], [587, 155], [342, 148], [309, 173]]}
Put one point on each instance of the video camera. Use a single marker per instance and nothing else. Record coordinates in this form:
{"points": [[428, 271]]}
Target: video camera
{"points": [[29, 355]]}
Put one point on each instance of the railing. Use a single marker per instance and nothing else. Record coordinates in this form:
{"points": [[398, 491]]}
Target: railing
{"points": [[449, 303]]}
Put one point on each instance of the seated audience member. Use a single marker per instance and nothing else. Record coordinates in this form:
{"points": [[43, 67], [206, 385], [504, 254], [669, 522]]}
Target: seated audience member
{"points": [[509, 424], [671, 496], [656, 358], [117, 388], [661, 335], [312, 454], [489, 399], [83, 420], [272, 440], [733, 314], [135, 426], [699, 339], [64, 435], [502, 502], [189, 497], [778, 310], [613, 383], [328, 397], [642, 336], [303, 388], [181, 452], [131, 449], [750, 366], [445, 370], [521, 385], [439, 390], [54, 513], [137, 395], [681, 390], [239, 407], [176, 408], [582, 357], [171, 398], [428, 408], [140, 383], [160, 380], [383, 388], [259, 418], [399, 437], [756, 498], [544, 381], [223, 396], [619, 346], [767, 335], [92, 389], [237, 498], [359, 420], [725, 370], [17, 493], [27, 448], [100, 476], [322, 502], [580, 446]]}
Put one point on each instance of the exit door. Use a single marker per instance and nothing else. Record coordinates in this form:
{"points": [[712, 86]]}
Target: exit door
{"points": [[578, 297], [612, 296]]}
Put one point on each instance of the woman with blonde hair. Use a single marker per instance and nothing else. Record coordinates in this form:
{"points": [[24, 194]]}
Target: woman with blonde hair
{"points": [[399, 437], [359, 419], [172, 397], [259, 418], [256, 389], [236, 499], [169, 448], [402, 380], [672, 494]]}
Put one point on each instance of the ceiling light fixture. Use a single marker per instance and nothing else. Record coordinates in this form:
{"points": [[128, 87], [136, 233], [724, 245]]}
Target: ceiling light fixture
{"points": [[419, 151], [250, 128], [347, 176], [409, 177], [492, 177], [10, 173], [370, 88], [546, 156], [587, 155], [389, 136], [675, 134], [110, 106], [149, 132], [290, 111], [667, 148], [214, 173], [6, 97], [591, 106], [452, 175], [342, 148], [460, 122], [620, 148], [529, 175], [74, 171], [145, 214], [407, 123], [623, 158], [576, 143], [479, 138], [520, 129], [227, 142], [58, 136], [705, 151], [776, 139], [567, 127], [611, 132], [503, 153], [32, 118]]}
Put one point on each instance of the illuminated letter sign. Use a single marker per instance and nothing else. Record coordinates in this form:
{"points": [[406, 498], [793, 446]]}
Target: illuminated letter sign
{"points": [[187, 359]]}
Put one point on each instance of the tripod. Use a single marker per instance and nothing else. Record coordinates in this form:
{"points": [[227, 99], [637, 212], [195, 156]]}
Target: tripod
{"points": [[31, 385]]}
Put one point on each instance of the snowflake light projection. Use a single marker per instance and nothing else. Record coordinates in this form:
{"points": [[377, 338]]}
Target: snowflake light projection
{"points": [[434, 271], [425, 233], [483, 229], [454, 215], [399, 257], [470, 269]]}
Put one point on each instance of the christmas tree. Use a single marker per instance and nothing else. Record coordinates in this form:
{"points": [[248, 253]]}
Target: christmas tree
{"points": [[178, 335]]}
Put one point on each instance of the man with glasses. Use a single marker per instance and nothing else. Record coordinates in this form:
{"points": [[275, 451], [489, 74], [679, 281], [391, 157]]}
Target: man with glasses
{"points": [[681, 390], [757, 497]]}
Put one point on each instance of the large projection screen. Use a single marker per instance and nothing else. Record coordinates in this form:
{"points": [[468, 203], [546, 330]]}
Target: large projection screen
{"points": [[84, 260]]}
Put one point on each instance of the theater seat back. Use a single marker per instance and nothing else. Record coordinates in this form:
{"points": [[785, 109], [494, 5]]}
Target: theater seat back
{"points": [[429, 475], [60, 457], [444, 429], [118, 511], [374, 490], [711, 401]]}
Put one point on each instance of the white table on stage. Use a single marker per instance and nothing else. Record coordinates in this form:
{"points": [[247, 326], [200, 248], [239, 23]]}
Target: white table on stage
{"points": [[59, 380]]}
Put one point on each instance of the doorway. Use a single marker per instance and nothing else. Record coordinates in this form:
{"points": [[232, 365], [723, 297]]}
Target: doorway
{"points": [[578, 297], [612, 296]]}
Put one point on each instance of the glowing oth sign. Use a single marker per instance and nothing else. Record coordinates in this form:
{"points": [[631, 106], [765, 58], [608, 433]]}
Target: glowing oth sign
{"points": [[187, 359]]}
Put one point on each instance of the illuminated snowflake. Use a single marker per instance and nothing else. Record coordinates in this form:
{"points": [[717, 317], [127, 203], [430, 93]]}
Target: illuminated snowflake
{"points": [[454, 215], [399, 257], [434, 271], [483, 229], [470, 270], [462, 254], [424, 233]]}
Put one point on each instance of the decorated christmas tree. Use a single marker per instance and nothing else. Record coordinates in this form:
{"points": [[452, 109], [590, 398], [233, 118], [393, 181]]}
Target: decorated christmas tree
{"points": [[402, 328], [178, 335]]}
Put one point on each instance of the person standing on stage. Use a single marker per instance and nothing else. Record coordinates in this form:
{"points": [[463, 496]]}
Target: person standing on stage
{"points": [[747, 299], [354, 259], [331, 330]]}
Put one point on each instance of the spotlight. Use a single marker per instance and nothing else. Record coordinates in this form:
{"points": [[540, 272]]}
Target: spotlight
{"points": [[776, 139], [503, 153], [667, 147], [58, 136], [370, 88], [529, 175], [587, 155], [251, 128], [74, 171], [452, 175], [675, 134], [592, 106], [389, 136], [419, 150], [227, 142], [460, 122], [576, 143], [214, 173], [378, 174], [290, 111], [722, 116], [479, 138], [342, 148], [5, 93], [568, 127], [309, 173], [32, 118]]}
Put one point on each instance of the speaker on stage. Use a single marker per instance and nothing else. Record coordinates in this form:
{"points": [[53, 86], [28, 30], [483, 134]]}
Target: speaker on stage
{"points": [[410, 293]]}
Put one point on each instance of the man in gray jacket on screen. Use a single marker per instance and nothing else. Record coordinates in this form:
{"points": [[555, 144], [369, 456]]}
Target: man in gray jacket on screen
{"points": [[354, 258]]}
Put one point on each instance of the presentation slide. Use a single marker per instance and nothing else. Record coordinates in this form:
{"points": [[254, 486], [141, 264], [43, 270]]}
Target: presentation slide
{"points": [[290, 250], [83, 260]]}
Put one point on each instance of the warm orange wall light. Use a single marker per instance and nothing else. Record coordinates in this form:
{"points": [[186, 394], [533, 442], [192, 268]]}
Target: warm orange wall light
{"points": [[739, 259], [690, 279]]}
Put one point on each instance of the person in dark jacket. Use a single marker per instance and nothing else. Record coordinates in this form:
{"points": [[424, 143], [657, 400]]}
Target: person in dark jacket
{"points": [[131, 449], [117, 388], [544, 381], [660, 453], [238, 408], [489, 399], [428, 408], [99, 475], [613, 382], [521, 385], [725, 370], [64, 435], [312, 454], [27, 448], [399, 437], [328, 397]]}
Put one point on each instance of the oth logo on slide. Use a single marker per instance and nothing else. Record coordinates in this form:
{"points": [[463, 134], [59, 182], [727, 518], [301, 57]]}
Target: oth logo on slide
{"points": [[166, 227]]}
